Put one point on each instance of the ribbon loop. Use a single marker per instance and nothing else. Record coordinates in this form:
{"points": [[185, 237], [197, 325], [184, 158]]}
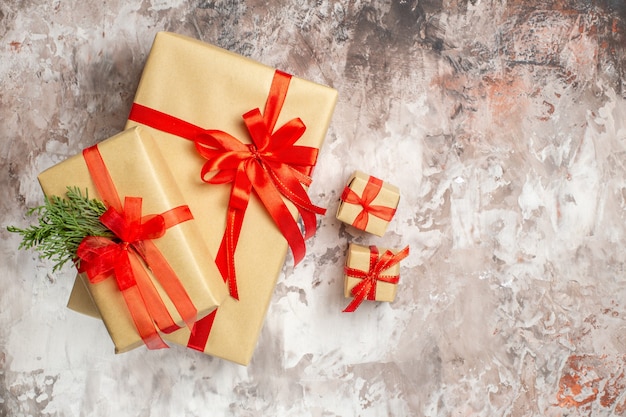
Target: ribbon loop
{"points": [[366, 288]]}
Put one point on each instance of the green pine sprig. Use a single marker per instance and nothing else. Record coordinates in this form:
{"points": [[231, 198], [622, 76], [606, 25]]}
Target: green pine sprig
{"points": [[62, 224]]}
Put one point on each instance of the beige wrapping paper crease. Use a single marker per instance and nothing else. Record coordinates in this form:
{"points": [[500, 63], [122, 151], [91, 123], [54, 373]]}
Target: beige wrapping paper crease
{"points": [[213, 88], [359, 258], [138, 169], [389, 196]]}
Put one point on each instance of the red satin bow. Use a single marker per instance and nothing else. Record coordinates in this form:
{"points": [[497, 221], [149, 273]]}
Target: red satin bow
{"points": [[121, 257], [366, 288], [272, 166], [372, 188]]}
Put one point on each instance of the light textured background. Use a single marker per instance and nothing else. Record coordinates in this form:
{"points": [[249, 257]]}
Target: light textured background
{"points": [[502, 122]]}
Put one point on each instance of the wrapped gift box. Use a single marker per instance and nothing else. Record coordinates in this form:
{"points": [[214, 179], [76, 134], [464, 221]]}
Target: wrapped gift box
{"points": [[138, 169], [376, 270], [368, 203], [211, 88]]}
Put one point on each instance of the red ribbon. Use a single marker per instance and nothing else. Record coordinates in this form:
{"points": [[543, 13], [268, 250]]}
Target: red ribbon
{"points": [[272, 166], [125, 257], [366, 288], [372, 188]]}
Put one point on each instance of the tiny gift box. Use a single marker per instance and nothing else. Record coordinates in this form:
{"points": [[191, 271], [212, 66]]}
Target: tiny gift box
{"points": [[371, 273], [154, 275], [241, 139], [368, 203]]}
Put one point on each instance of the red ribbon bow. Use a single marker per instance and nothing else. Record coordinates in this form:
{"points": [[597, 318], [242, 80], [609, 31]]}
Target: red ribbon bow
{"points": [[371, 190], [272, 166], [366, 288], [121, 257]]}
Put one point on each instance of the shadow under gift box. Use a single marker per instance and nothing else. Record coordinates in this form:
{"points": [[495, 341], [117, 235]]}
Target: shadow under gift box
{"points": [[138, 169], [212, 88]]}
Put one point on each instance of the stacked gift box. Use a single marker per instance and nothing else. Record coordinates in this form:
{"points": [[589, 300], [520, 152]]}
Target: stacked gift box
{"points": [[206, 192]]}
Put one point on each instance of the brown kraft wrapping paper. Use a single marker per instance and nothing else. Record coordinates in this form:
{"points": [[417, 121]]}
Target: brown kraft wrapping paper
{"points": [[212, 88], [138, 169]]}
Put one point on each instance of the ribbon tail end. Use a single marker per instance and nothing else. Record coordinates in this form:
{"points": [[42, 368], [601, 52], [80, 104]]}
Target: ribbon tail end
{"points": [[155, 342]]}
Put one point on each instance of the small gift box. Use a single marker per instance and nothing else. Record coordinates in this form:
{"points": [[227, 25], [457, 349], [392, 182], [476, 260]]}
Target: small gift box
{"points": [[152, 274], [371, 273], [368, 203], [241, 139]]}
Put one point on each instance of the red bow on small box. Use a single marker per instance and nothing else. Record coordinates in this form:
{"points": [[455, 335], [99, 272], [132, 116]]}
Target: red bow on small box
{"points": [[366, 288], [372, 188], [124, 257]]}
